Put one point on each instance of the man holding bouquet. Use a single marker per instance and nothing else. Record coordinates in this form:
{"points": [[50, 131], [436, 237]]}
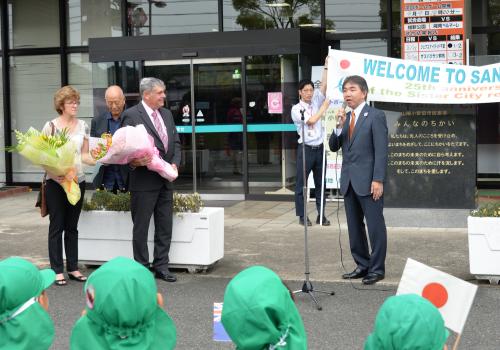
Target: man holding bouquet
{"points": [[151, 194]]}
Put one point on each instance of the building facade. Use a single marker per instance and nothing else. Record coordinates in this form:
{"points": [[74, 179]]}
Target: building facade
{"points": [[219, 60]]}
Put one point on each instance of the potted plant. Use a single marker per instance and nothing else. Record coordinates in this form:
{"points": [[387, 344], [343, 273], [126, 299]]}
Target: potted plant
{"points": [[483, 226], [105, 231]]}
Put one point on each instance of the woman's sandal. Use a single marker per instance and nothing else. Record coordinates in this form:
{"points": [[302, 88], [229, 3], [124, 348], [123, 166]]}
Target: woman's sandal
{"points": [[61, 282], [79, 278]]}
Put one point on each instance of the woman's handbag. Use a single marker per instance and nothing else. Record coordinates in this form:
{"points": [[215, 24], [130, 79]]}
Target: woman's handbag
{"points": [[41, 201]]}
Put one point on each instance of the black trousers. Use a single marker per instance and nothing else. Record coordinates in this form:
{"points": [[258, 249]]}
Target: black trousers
{"points": [[360, 208], [63, 218], [314, 160], [143, 205]]}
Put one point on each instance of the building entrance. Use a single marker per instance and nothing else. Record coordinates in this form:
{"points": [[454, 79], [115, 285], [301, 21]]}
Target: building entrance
{"points": [[205, 97], [236, 144]]}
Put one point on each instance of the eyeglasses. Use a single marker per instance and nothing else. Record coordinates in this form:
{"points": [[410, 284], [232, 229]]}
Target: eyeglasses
{"points": [[72, 103]]}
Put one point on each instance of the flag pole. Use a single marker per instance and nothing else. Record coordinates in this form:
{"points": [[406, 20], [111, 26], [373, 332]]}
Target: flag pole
{"points": [[457, 340]]}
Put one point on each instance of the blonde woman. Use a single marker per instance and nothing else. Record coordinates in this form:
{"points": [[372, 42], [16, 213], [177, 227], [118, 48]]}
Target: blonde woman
{"points": [[63, 215]]}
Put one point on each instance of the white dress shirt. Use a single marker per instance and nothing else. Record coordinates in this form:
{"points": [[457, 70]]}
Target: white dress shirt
{"points": [[357, 112], [314, 134], [149, 111]]}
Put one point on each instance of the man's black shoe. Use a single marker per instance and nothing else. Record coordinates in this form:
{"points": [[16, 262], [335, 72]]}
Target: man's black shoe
{"points": [[301, 221], [326, 222], [357, 273], [165, 275], [372, 278]]}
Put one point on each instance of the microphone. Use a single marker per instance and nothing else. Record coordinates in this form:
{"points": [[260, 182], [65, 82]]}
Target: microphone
{"points": [[344, 106]]}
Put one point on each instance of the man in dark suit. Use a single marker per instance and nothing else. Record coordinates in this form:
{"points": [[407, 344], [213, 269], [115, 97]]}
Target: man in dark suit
{"points": [[151, 193], [111, 177], [362, 135]]}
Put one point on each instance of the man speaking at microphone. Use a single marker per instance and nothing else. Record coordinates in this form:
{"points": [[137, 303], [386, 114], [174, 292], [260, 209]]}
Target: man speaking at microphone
{"points": [[362, 135], [312, 106]]}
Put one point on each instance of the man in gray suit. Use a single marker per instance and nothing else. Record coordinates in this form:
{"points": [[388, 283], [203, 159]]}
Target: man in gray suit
{"points": [[151, 193], [362, 135], [112, 177]]}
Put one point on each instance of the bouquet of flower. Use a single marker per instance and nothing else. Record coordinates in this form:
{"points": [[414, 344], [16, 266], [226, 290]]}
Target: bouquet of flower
{"points": [[55, 153], [131, 142], [102, 146]]}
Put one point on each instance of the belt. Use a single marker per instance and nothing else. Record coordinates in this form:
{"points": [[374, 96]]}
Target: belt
{"points": [[315, 147]]}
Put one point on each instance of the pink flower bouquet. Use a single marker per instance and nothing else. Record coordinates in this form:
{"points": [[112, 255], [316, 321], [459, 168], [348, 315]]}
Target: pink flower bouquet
{"points": [[131, 142]]}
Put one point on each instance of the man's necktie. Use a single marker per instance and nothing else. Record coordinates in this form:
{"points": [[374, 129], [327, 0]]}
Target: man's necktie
{"points": [[159, 129], [351, 124]]}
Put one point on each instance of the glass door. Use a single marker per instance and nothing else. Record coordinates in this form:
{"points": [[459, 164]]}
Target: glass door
{"points": [[204, 96], [218, 114]]}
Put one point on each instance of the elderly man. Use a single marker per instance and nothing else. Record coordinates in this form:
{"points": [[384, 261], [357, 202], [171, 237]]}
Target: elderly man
{"points": [[111, 177], [151, 193]]}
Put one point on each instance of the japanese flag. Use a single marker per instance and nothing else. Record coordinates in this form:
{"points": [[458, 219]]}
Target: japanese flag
{"points": [[452, 296]]}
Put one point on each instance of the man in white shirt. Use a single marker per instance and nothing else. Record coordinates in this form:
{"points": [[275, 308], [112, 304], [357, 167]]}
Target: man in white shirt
{"points": [[313, 106]]}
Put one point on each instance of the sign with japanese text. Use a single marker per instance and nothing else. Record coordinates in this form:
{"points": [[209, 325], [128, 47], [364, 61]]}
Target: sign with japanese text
{"points": [[432, 156], [392, 79], [433, 31]]}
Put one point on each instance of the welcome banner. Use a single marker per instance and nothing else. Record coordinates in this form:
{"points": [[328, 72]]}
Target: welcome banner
{"points": [[396, 80]]}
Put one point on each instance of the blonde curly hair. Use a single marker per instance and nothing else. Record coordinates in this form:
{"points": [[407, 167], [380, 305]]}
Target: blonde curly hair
{"points": [[64, 94]]}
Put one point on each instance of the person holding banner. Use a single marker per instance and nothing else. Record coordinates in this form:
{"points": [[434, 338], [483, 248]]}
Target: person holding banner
{"points": [[312, 106], [362, 135]]}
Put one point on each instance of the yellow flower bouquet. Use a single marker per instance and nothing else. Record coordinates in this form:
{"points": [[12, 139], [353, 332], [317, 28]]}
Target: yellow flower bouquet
{"points": [[55, 153]]}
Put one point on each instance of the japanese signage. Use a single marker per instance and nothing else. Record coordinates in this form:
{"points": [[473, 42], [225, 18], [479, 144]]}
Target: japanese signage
{"points": [[433, 31], [392, 79], [432, 157]]}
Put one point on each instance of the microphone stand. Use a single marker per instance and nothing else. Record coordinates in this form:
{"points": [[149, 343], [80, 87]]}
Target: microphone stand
{"points": [[307, 287]]}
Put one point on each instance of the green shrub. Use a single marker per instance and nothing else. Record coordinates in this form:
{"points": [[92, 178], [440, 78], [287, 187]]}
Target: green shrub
{"points": [[491, 209], [187, 203], [104, 200]]}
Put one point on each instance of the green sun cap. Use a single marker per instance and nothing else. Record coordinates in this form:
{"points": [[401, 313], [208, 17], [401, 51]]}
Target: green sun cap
{"points": [[259, 313], [24, 323], [408, 322], [122, 311]]}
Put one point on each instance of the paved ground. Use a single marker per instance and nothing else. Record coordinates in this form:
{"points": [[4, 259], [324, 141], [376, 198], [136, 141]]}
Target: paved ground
{"points": [[267, 233]]}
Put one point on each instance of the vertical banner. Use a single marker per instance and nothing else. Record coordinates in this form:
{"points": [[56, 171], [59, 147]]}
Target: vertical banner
{"points": [[433, 31], [333, 159]]}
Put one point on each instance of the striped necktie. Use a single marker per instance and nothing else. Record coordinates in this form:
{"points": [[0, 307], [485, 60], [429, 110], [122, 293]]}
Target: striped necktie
{"points": [[160, 130]]}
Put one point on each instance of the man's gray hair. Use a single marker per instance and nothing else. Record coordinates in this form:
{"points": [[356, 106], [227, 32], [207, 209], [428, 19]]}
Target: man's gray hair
{"points": [[147, 84]]}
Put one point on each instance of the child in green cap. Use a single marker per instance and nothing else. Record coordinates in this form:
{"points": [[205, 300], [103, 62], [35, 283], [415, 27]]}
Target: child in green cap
{"points": [[123, 311], [24, 321], [259, 313], [409, 322]]}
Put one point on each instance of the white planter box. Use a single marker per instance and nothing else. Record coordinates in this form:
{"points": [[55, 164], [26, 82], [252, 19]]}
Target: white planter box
{"points": [[197, 238], [484, 247]]}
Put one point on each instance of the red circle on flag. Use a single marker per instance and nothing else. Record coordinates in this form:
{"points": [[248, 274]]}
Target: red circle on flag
{"points": [[436, 293], [344, 64]]}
